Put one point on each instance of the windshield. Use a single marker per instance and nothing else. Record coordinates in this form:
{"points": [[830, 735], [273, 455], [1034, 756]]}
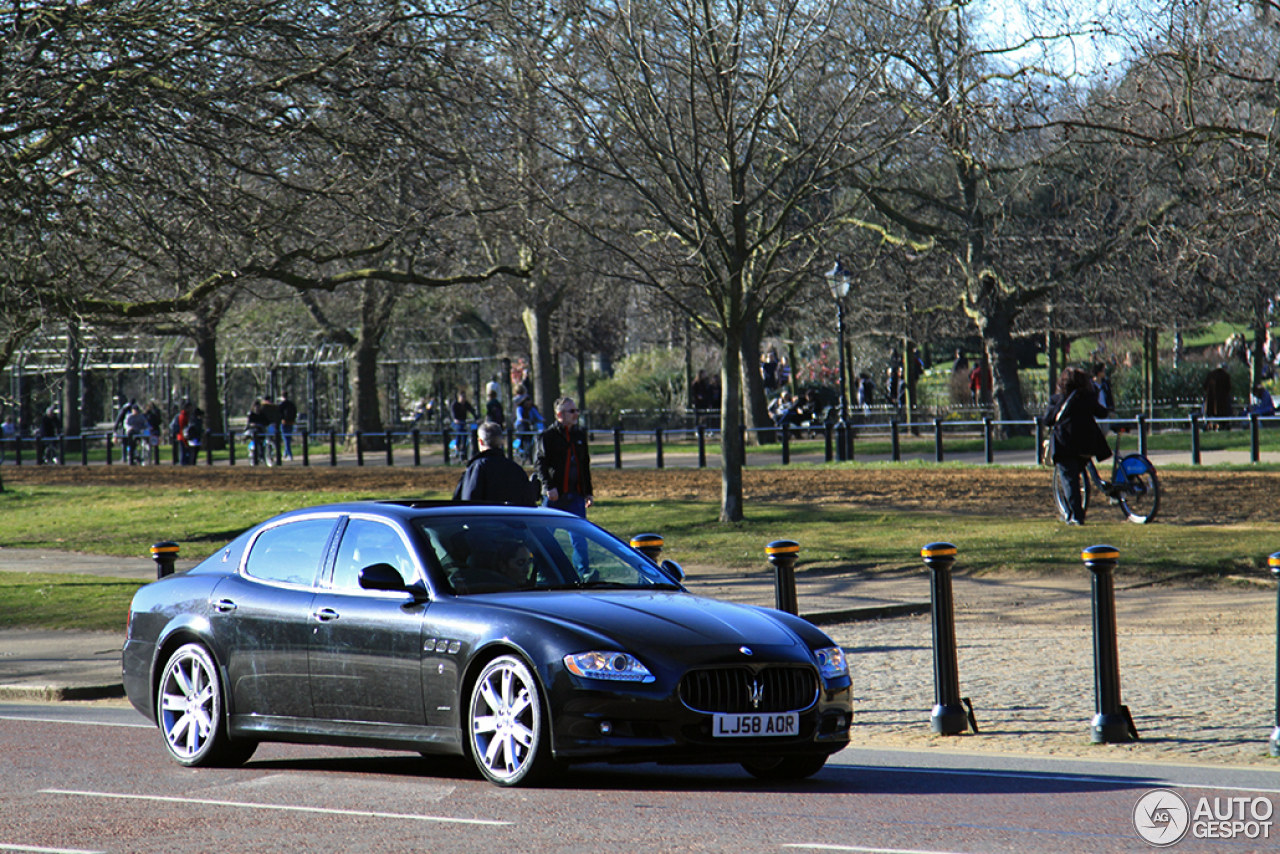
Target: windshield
{"points": [[498, 555]]}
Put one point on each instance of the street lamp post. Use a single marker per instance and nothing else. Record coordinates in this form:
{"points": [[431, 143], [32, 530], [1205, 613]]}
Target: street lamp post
{"points": [[838, 280]]}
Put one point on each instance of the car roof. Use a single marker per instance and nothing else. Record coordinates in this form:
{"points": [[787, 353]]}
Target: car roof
{"points": [[410, 508]]}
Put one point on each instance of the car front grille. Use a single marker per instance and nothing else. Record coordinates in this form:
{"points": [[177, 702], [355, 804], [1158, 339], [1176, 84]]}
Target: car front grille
{"points": [[735, 690]]}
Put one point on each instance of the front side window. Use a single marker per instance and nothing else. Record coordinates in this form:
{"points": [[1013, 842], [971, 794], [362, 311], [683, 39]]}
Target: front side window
{"points": [[364, 543], [501, 555], [290, 553]]}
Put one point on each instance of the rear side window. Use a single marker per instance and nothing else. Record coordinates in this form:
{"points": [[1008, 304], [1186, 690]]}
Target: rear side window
{"points": [[289, 553]]}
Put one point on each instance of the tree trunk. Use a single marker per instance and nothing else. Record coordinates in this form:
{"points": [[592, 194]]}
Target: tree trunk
{"points": [[206, 341], [546, 381], [731, 446], [756, 411], [365, 414], [1006, 391], [1257, 351], [71, 415]]}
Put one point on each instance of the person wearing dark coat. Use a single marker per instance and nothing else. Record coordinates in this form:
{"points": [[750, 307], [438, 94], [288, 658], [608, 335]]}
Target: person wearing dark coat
{"points": [[563, 462], [1217, 398], [491, 478], [1074, 412]]}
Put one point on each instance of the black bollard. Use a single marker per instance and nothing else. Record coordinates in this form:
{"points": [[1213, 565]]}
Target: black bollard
{"points": [[949, 717], [782, 554], [1112, 722], [649, 545], [165, 555], [1274, 561]]}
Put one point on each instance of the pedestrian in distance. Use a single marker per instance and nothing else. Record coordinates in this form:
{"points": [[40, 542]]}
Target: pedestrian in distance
{"points": [[288, 418], [460, 412], [8, 434], [493, 409], [194, 435], [1102, 382], [1073, 412], [1217, 398], [491, 478], [563, 462]]}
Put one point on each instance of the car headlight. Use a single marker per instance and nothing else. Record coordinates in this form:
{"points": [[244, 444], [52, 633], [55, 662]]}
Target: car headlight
{"points": [[831, 662], [615, 666]]}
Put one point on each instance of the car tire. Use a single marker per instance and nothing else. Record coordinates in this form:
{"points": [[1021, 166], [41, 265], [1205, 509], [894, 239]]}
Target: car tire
{"points": [[507, 725], [191, 715], [785, 767]]}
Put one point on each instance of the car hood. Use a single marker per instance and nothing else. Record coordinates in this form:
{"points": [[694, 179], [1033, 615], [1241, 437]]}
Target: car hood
{"points": [[656, 618]]}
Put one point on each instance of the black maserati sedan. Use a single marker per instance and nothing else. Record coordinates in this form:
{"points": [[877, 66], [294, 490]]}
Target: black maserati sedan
{"points": [[527, 639]]}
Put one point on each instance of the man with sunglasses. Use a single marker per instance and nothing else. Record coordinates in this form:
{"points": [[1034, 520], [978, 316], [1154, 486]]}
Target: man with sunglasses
{"points": [[563, 462]]}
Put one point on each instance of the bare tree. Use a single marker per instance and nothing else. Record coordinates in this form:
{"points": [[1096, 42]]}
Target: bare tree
{"points": [[722, 133]]}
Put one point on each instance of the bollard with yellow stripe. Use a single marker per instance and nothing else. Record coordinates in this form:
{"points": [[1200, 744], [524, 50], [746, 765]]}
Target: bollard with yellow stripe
{"points": [[952, 714], [649, 545], [783, 554], [1112, 723], [1100, 555], [1274, 563], [165, 555]]}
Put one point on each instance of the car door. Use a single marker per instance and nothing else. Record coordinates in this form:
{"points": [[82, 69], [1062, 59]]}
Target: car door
{"points": [[263, 615], [366, 645]]}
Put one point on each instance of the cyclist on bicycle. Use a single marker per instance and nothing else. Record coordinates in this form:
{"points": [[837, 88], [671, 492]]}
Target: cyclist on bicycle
{"points": [[1073, 411], [136, 430]]}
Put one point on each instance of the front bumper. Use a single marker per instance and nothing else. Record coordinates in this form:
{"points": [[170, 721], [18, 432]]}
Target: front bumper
{"points": [[634, 725]]}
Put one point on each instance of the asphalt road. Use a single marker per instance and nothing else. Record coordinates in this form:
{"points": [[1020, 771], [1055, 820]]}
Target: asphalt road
{"points": [[94, 778]]}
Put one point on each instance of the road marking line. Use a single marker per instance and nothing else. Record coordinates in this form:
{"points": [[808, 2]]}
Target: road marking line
{"points": [[280, 807], [820, 847], [1139, 782], [35, 850], [79, 723]]}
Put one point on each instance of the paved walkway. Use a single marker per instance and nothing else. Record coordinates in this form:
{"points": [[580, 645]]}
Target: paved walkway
{"points": [[1198, 665]]}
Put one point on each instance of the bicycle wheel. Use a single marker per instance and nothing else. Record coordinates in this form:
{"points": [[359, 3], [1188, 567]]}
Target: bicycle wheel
{"points": [[269, 452], [1060, 495], [1060, 499], [1140, 493]]}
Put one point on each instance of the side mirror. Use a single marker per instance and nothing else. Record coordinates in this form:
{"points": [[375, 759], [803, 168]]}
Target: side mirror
{"points": [[673, 569], [381, 576]]}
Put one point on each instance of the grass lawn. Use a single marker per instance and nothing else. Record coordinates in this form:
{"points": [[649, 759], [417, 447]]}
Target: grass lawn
{"points": [[125, 521]]}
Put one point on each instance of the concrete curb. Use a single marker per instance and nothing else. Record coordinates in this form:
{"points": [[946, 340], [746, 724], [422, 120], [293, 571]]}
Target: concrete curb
{"points": [[61, 693], [872, 612]]}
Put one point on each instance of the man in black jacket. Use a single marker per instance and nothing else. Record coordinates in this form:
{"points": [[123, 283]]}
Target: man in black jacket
{"points": [[491, 478], [563, 462]]}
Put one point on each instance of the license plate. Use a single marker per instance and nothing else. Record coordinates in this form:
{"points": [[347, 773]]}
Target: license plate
{"points": [[756, 726]]}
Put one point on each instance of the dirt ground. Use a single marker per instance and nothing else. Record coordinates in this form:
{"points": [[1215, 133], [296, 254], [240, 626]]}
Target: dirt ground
{"points": [[1188, 497]]}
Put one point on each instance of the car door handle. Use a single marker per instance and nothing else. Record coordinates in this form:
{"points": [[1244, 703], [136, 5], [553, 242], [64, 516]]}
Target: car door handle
{"points": [[326, 615], [224, 606]]}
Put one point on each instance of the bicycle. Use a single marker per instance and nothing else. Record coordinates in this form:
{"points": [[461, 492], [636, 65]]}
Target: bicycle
{"points": [[460, 444], [262, 447], [1134, 486], [137, 449], [50, 453]]}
